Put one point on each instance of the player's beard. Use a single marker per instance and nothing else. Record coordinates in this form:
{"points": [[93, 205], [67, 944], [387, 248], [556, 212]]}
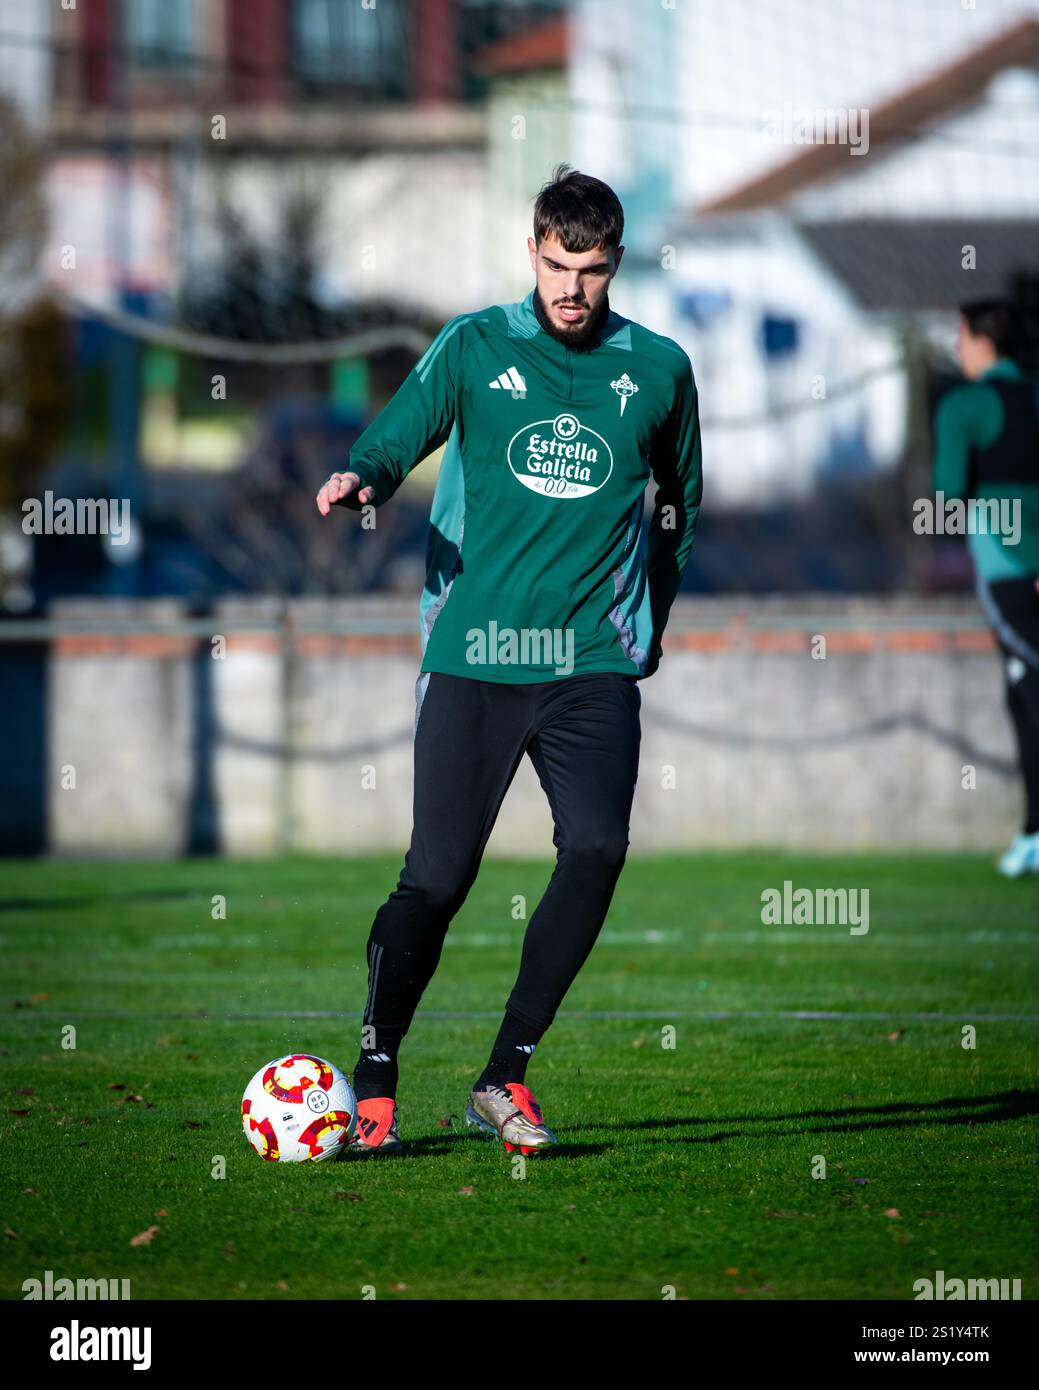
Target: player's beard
{"points": [[577, 339]]}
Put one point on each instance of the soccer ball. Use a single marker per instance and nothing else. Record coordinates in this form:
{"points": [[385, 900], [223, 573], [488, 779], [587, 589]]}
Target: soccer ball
{"points": [[299, 1109]]}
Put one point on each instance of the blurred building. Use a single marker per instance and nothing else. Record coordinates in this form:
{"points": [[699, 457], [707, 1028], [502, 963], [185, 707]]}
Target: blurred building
{"points": [[164, 114], [802, 267], [259, 213], [242, 187], [234, 190]]}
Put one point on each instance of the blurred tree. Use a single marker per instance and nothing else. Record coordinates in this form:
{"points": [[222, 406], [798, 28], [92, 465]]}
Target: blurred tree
{"points": [[263, 526], [258, 293]]}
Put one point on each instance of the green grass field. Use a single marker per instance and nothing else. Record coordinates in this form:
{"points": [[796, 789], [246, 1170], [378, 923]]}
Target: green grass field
{"points": [[687, 1167]]}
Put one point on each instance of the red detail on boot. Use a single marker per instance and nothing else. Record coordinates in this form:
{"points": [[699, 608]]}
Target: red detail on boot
{"points": [[523, 1099], [374, 1120]]}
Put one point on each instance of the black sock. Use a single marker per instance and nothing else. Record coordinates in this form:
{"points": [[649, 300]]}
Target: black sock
{"points": [[513, 1048], [397, 978], [375, 1073]]}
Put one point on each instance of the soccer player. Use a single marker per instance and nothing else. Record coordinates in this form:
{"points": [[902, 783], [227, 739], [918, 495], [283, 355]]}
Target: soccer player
{"points": [[544, 604], [987, 450]]}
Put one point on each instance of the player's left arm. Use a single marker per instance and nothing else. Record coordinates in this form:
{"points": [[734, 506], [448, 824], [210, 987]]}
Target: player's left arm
{"points": [[675, 459]]}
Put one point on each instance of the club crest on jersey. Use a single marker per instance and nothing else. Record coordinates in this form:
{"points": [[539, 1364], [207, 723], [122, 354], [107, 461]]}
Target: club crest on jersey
{"points": [[560, 457], [625, 387]]}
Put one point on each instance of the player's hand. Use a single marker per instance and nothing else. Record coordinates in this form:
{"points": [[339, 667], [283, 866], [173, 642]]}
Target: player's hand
{"points": [[651, 664], [341, 485]]}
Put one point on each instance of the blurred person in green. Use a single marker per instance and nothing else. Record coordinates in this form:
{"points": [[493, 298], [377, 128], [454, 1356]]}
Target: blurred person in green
{"points": [[987, 455]]}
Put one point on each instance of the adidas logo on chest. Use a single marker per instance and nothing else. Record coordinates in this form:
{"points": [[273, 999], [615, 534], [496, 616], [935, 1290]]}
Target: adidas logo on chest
{"points": [[508, 380]]}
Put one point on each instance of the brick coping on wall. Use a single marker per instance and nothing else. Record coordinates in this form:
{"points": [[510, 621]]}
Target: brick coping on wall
{"points": [[174, 642], [343, 627]]}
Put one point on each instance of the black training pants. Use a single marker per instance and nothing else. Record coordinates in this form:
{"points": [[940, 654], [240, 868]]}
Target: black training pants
{"points": [[582, 734], [1012, 607]]}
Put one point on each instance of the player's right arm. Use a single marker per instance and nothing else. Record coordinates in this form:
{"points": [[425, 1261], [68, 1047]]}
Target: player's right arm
{"points": [[416, 421]]}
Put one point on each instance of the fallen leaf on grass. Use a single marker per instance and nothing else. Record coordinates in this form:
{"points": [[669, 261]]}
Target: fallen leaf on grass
{"points": [[145, 1237], [347, 1197], [466, 1191], [893, 1213], [399, 1287], [730, 1271]]}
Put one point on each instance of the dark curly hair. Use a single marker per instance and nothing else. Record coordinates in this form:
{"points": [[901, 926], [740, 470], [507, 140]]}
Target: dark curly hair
{"points": [[582, 212]]}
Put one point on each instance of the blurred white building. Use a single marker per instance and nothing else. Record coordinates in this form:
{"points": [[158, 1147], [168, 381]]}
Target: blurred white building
{"points": [[787, 266], [795, 260]]}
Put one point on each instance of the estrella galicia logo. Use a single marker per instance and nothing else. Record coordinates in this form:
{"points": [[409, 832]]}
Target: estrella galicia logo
{"points": [[560, 457]]}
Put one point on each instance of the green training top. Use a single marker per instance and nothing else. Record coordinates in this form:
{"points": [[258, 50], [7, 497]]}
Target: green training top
{"points": [[540, 560], [987, 447]]}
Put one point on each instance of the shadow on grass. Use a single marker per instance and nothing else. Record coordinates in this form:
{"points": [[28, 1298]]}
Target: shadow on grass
{"points": [[445, 1145], [953, 1110]]}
